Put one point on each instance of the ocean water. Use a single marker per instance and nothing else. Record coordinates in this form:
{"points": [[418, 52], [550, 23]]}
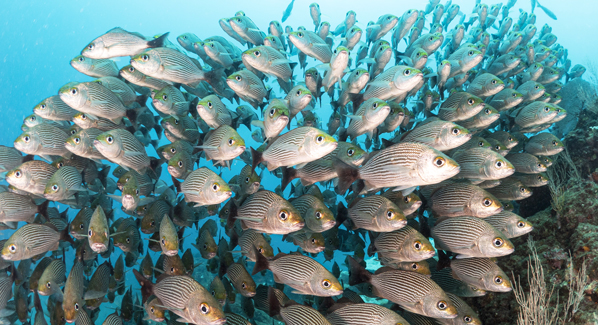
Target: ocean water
{"points": [[39, 38]]}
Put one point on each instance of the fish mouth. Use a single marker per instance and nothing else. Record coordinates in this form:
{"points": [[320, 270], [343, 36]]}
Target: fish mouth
{"points": [[171, 252], [98, 247], [96, 143], [220, 321]]}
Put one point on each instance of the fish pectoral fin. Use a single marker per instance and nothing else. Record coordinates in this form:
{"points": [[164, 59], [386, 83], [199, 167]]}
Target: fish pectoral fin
{"points": [[355, 117], [259, 124], [300, 165], [207, 147], [115, 197], [260, 220], [379, 84]]}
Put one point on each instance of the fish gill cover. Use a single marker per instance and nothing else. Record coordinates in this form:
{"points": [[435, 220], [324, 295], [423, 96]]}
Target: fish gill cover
{"points": [[326, 173]]}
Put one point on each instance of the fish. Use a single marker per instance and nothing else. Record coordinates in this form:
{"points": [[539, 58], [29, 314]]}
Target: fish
{"points": [[295, 148], [511, 188], [222, 145], [287, 12], [213, 111], [119, 42], [510, 224], [52, 278], [369, 116], [311, 44], [170, 101], [31, 240], [98, 232], [440, 135], [248, 86], [73, 302], [31, 176], [482, 273], [412, 291], [95, 67], [460, 106], [123, 148], [477, 239], [303, 274], [42, 140], [241, 280], [246, 29], [457, 199], [402, 245], [374, 213], [481, 164], [95, 99], [204, 187], [394, 82], [364, 313], [544, 144], [63, 184]]}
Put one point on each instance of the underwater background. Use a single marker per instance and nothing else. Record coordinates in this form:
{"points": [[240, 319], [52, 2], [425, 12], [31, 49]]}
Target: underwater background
{"points": [[38, 39]]}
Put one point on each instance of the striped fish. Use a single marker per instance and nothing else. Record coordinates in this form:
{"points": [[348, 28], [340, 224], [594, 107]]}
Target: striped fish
{"points": [[205, 244], [30, 240], [308, 241], [534, 114], [15, 207], [462, 199], [480, 164], [444, 278], [370, 114], [406, 203], [482, 273], [169, 65], [268, 60], [485, 85], [301, 273], [466, 314], [170, 101], [276, 117], [204, 187], [374, 213], [95, 67], [511, 224], [171, 149], [95, 99], [505, 137], [73, 303], [440, 135], [296, 147], [213, 111], [9, 158], [154, 309], [119, 42], [53, 277], [218, 290], [526, 163], [364, 314], [134, 76], [533, 180], [421, 267], [318, 218], [38, 271], [544, 144], [245, 28], [98, 284], [180, 128], [173, 265], [460, 106], [297, 99], [223, 145], [42, 140], [311, 44], [122, 148], [98, 232], [31, 176], [510, 188], [113, 319], [235, 319], [88, 121], [78, 226], [481, 120], [248, 87], [402, 166], [169, 239], [241, 280], [54, 109], [252, 240], [146, 267], [412, 291], [471, 237], [63, 184], [403, 245], [266, 212]]}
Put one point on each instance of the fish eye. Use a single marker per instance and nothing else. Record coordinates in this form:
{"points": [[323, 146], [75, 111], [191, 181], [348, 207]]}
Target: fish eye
{"points": [[431, 38], [537, 87], [407, 72], [546, 108], [165, 97], [60, 164], [407, 199], [470, 53], [480, 144], [180, 163], [145, 57], [90, 46], [131, 69], [210, 104], [83, 117], [257, 53], [357, 73], [497, 242], [212, 45], [554, 142], [246, 179], [176, 121], [163, 241], [90, 232], [128, 240], [48, 285], [81, 226], [326, 284], [54, 187], [493, 81], [439, 161], [417, 245], [487, 202], [77, 140], [76, 306], [470, 101], [203, 306], [487, 111], [137, 191], [498, 280], [32, 118], [173, 150], [205, 246], [238, 78], [283, 215], [350, 152], [520, 224], [231, 141], [456, 131], [152, 309], [313, 240], [42, 106], [272, 111], [467, 319], [318, 215], [298, 93], [499, 164], [523, 189], [110, 139], [319, 139], [260, 250], [74, 91], [12, 248], [442, 305], [18, 174], [334, 51], [300, 34], [390, 214], [215, 187], [26, 139]]}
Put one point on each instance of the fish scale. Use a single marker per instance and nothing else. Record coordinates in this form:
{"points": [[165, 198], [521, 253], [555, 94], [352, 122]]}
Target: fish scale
{"points": [[365, 314], [257, 205], [54, 274], [404, 286], [98, 284], [461, 231], [458, 199], [175, 291], [36, 238], [185, 70], [16, 207], [473, 267], [298, 315], [295, 268]]}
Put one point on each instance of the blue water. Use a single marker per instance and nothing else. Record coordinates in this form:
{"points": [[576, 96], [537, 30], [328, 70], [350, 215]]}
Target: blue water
{"points": [[39, 38]]}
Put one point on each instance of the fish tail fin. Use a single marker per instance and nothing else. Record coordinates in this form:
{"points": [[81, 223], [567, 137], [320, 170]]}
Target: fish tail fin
{"points": [[261, 262], [28, 158], [132, 116], [357, 273], [387, 143], [158, 42], [142, 99], [65, 236], [222, 267], [256, 159], [342, 134], [146, 285], [288, 174], [372, 248], [37, 302], [424, 227], [103, 176], [347, 174], [232, 214], [342, 213], [273, 303], [155, 164], [176, 184], [158, 128], [444, 260], [43, 208], [234, 239]]}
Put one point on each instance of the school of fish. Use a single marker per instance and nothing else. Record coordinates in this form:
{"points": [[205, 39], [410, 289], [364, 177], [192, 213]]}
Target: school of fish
{"points": [[439, 123]]}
